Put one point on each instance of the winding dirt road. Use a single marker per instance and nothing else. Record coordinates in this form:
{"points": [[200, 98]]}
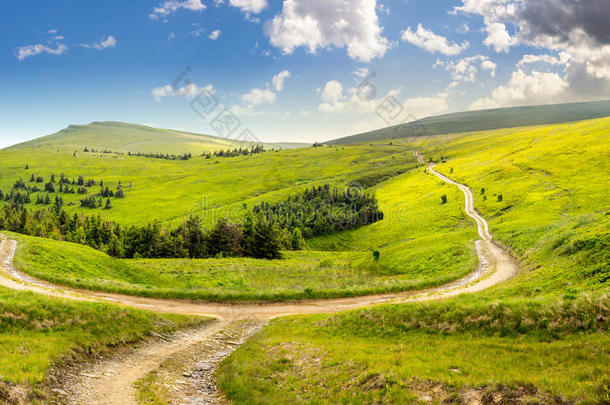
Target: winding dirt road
{"points": [[111, 381]]}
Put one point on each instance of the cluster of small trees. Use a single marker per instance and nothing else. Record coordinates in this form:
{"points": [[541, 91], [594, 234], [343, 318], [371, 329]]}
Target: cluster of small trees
{"points": [[322, 211], [258, 237], [21, 193], [165, 156], [235, 152], [266, 231]]}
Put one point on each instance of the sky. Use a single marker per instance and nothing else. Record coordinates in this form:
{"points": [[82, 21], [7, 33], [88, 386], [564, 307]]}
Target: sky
{"points": [[292, 70]]}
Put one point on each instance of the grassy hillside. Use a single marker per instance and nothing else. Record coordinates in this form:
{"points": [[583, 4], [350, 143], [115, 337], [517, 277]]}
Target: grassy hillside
{"points": [[485, 120], [122, 137], [447, 352], [539, 338], [169, 190], [421, 242], [38, 333]]}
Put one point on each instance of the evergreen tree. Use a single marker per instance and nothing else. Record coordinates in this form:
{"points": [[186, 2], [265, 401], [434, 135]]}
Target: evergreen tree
{"points": [[225, 239], [108, 204], [261, 239], [194, 238], [50, 187], [296, 240], [57, 206]]}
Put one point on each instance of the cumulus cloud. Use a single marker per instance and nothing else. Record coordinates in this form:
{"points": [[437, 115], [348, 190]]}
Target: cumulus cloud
{"points": [[336, 99], [109, 42], [523, 89], [171, 6], [189, 91], [576, 29], [214, 35], [432, 42], [498, 37], [258, 96], [547, 59], [278, 79], [329, 23], [466, 69], [31, 50], [249, 6]]}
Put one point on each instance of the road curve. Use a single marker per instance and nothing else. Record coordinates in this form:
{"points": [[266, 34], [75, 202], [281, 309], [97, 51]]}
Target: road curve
{"points": [[495, 266]]}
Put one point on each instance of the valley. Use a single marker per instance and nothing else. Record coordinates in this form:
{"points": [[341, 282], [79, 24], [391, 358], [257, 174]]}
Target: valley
{"points": [[432, 246]]}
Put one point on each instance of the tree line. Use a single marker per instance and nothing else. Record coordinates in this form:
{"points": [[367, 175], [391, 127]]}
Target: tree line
{"points": [[323, 210], [165, 156], [266, 230], [21, 193], [235, 152], [257, 237]]}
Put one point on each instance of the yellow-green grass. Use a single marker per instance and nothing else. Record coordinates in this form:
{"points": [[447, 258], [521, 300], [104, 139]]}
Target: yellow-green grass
{"points": [[213, 188], [422, 243], [554, 217], [322, 359], [37, 333], [555, 186], [123, 137]]}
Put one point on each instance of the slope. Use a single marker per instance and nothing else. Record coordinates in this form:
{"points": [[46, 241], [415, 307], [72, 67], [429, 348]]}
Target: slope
{"points": [[123, 137], [485, 120]]}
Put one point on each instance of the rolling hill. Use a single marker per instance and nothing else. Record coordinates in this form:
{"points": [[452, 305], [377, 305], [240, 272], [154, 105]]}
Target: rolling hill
{"points": [[485, 120], [123, 137]]}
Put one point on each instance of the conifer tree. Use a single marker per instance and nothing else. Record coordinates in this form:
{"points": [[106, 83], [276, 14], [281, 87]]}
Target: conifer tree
{"points": [[296, 240]]}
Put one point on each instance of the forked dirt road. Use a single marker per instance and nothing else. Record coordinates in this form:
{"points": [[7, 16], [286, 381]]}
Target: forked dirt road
{"points": [[111, 381]]}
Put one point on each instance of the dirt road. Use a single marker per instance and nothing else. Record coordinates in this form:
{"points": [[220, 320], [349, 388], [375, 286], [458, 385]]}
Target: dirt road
{"points": [[111, 381]]}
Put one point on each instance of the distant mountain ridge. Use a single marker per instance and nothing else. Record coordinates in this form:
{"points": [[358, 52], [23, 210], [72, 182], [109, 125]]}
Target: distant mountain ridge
{"points": [[123, 137], [484, 120]]}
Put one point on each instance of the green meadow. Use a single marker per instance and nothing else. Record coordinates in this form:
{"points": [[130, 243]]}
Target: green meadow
{"points": [[541, 337], [340, 265], [38, 333], [212, 188]]}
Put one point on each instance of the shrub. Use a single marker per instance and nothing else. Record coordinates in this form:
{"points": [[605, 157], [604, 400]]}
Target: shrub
{"points": [[444, 199]]}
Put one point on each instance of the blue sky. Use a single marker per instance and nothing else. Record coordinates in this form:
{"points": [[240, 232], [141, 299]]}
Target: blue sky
{"points": [[294, 70]]}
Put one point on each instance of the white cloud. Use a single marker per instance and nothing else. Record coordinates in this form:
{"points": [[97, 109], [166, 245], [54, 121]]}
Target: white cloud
{"points": [[466, 69], [171, 6], [329, 23], [214, 35], [531, 59], [258, 96], [249, 6], [432, 42], [498, 37], [189, 91], [335, 99], [109, 42], [31, 50], [523, 89], [577, 30], [249, 111], [489, 65], [278, 80]]}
